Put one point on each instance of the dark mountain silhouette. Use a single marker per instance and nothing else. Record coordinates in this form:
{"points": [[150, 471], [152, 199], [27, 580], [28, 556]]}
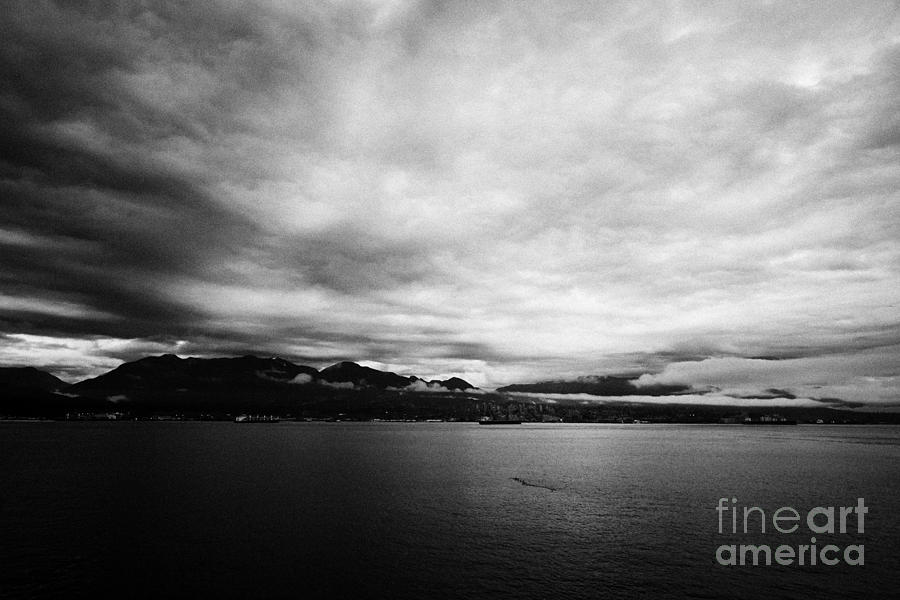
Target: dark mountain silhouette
{"points": [[344, 372], [454, 383], [169, 372], [31, 392], [29, 378], [219, 387], [350, 372], [596, 386]]}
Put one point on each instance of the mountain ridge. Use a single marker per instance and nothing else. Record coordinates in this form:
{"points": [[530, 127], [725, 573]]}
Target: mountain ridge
{"points": [[169, 371], [220, 388], [30, 378], [601, 385]]}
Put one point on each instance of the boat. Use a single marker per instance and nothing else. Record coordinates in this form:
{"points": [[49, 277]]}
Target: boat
{"points": [[499, 422]]}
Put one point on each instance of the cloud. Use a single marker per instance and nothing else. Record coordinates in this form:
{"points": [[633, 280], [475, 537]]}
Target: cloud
{"points": [[502, 192], [301, 379], [871, 377], [424, 386], [432, 386], [691, 399], [339, 385]]}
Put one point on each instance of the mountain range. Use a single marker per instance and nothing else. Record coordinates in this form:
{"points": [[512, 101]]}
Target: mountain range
{"points": [[597, 386], [168, 383], [223, 387], [171, 373]]}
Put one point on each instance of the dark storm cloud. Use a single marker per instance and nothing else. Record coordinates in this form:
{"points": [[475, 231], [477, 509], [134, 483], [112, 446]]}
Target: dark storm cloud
{"points": [[92, 154], [107, 221], [113, 255]]}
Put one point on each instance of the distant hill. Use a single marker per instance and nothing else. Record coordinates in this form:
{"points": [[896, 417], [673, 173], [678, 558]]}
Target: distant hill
{"points": [[596, 386], [366, 376], [26, 391], [171, 373], [350, 372], [454, 383], [29, 378]]}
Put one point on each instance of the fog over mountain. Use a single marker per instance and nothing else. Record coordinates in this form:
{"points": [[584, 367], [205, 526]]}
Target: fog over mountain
{"points": [[691, 197]]}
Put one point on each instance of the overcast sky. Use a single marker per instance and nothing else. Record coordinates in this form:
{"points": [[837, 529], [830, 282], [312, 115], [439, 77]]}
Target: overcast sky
{"points": [[699, 193]]}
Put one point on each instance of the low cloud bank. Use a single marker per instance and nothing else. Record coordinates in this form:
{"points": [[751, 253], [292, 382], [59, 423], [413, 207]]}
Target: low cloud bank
{"points": [[693, 399], [868, 377], [421, 385], [338, 385]]}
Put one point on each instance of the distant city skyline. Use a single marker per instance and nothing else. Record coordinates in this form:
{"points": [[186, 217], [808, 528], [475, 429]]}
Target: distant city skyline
{"points": [[703, 195]]}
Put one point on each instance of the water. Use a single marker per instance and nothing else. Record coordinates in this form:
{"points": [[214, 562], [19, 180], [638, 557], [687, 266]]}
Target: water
{"points": [[430, 510]]}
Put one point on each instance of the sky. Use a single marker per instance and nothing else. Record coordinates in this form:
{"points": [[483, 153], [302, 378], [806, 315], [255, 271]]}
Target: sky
{"points": [[705, 194]]}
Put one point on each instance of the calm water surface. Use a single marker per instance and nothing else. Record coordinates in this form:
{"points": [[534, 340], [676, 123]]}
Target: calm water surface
{"points": [[422, 510]]}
